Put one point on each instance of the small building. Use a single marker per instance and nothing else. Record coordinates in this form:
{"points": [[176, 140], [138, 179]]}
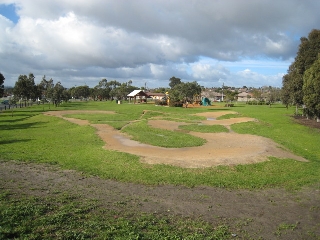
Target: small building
{"points": [[156, 96], [140, 94], [243, 97]]}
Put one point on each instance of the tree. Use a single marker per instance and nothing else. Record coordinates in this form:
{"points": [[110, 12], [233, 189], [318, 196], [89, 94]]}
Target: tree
{"points": [[57, 93], [230, 95], [46, 87], [285, 91], [174, 81], [311, 90], [113, 85], [257, 94], [272, 95], [46, 90], [25, 88], [184, 92], [123, 90], [81, 92], [1, 84], [66, 95], [102, 90], [306, 56]]}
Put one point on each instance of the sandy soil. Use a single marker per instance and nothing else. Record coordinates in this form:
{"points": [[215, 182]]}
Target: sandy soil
{"points": [[221, 148]]}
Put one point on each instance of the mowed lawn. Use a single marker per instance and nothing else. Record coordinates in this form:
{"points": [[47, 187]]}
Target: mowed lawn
{"points": [[28, 135]]}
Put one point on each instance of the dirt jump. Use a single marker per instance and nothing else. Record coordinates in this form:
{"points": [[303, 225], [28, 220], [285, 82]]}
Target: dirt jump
{"points": [[220, 149]]}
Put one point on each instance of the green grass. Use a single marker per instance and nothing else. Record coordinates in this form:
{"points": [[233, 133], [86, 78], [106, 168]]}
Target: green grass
{"points": [[71, 217], [204, 128], [31, 136], [140, 131]]}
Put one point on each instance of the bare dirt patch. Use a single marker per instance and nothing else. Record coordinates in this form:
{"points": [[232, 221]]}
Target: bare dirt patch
{"points": [[263, 214], [307, 122], [221, 148]]}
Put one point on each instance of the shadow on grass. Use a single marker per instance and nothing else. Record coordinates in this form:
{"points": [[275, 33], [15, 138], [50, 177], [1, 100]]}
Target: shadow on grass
{"points": [[13, 141], [21, 126], [8, 121], [237, 106]]}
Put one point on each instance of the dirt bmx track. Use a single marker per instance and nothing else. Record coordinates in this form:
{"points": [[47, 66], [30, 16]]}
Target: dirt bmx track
{"points": [[221, 148]]}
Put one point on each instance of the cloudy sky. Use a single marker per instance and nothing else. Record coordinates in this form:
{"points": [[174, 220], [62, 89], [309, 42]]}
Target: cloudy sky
{"points": [[213, 42]]}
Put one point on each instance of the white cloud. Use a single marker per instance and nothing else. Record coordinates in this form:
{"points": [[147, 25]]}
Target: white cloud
{"points": [[154, 40]]}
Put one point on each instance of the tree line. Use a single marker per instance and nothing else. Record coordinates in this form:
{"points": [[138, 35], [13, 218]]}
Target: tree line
{"points": [[301, 84], [25, 89]]}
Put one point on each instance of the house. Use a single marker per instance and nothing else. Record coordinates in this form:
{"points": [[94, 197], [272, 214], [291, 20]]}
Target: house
{"points": [[216, 97], [243, 97], [156, 96], [138, 93]]}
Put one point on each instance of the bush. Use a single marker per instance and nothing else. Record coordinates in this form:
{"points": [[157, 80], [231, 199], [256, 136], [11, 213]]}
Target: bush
{"points": [[254, 102], [160, 102], [176, 104]]}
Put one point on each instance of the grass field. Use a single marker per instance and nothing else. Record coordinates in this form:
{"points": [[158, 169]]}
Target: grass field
{"points": [[28, 135]]}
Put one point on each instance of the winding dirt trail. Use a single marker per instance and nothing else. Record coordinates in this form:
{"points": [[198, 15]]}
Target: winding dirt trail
{"points": [[221, 148]]}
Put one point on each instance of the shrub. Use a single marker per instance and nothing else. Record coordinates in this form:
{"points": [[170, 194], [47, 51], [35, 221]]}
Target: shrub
{"points": [[160, 102], [176, 104]]}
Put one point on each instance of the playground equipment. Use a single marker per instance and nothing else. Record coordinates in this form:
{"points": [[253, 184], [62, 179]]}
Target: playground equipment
{"points": [[205, 101]]}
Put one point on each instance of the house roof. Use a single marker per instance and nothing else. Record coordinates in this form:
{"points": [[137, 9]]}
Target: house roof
{"points": [[155, 94], [137, 93], [243, 94]]}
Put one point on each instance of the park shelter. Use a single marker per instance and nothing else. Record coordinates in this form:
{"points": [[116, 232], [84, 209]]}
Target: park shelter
{"points": [[138, 93]]}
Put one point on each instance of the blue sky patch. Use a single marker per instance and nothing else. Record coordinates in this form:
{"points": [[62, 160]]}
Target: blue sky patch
{"points": [[9, 11]]}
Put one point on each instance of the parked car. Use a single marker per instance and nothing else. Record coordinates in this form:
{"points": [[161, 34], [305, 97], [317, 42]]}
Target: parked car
{"points": [[5, 102]]}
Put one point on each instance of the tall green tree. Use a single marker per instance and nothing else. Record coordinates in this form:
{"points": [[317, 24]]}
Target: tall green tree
{"points": [[81, 92], [57, 93], [174, 81], [285, 91], [102, 90], [230, 95], [306, 56], [1, 84], [311, 90], [184, 92], [46, 87], [113, 85], [25, 88], [66, 95]]}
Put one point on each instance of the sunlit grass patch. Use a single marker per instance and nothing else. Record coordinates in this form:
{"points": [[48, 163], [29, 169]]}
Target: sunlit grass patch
{"points": [[151, 114], [101, 118], [31, 136], [204, 128], [142, 132]]}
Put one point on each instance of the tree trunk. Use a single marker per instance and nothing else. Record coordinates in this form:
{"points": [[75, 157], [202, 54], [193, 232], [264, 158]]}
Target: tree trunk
{"points": [[296, 109], [318, 119]]}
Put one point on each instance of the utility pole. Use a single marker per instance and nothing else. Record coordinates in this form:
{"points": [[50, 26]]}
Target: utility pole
{"points": [[222, 91]]}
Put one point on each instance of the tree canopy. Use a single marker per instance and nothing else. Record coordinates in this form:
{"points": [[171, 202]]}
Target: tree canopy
{"points": [[25, 88], [174, 81], [293, 81], [311, 90], [1, 84], [184, 91]]}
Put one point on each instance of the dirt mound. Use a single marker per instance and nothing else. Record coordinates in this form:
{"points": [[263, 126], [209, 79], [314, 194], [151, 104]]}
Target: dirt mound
{"points": [[221, 148]]}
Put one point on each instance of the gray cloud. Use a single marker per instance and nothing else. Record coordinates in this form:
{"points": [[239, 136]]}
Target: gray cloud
{"points": [[152, 40]]}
